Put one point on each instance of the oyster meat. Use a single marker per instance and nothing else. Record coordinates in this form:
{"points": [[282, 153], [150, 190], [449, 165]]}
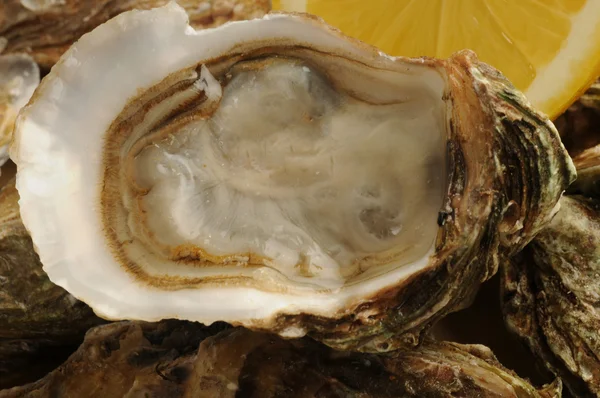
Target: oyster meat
{"points": [[163, 360], [276, 174], [46, 28], [551, 295], [19, 76]]}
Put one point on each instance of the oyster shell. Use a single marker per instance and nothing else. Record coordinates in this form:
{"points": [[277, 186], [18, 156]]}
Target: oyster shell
{"points": [[551, 295], [40, 323], [579, 126], [46, 28], [278, 175], [162, 360], [19, 76], [30, 305], [588, 172]]}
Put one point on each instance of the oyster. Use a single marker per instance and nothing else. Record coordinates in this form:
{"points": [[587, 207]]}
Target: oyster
{"points": [[46, 28], [579, 126], [582, 134], [40, 323], [588, 172], [163, 360], [19, 76], [551, 295], [276, 174], [30, 305]]}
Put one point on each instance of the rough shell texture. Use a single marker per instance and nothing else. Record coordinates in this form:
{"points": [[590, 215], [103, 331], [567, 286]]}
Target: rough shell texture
{"points": [[551, 295], [507, 170], [163, 360], [45, 29]]}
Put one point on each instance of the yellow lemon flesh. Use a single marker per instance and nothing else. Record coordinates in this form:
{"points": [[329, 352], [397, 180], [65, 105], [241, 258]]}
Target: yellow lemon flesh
{"points": [[550, 49]]}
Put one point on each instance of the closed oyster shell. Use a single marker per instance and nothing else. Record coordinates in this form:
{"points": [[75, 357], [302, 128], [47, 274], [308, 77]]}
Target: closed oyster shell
{"points": [[162, 360], [486, 172], [46, 28], [552, 293]]}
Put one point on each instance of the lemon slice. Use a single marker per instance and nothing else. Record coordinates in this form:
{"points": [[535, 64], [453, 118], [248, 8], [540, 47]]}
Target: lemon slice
{"points": [[550, 49]]}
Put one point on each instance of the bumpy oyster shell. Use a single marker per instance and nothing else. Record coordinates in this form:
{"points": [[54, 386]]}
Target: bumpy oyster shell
{"points": [[551, 295], [46, 28], [163, 360], [19, 76], [150, 192]]}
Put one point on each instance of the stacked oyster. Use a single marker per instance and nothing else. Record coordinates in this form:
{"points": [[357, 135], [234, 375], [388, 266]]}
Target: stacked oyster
{"points": [[287, 180]]}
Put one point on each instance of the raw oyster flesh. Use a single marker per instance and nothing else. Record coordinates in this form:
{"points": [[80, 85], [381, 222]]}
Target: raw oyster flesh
{"points": [[276, 174]]}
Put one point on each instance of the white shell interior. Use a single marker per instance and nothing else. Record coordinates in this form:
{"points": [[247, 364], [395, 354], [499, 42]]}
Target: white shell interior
{"points": [[368, 179]]}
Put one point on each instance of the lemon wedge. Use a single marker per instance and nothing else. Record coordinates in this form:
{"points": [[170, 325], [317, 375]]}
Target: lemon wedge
{"points": [[550, 49]]}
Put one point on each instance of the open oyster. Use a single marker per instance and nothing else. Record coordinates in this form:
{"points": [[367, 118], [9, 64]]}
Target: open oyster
{"points": [[163, 360], [551, 295], [19, 76], [46, 28], [276, 174]]}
